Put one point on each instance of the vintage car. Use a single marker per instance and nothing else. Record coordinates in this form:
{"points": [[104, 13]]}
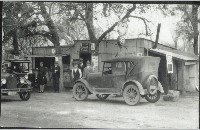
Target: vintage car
{"points": [[14, 79], [131, 77]]}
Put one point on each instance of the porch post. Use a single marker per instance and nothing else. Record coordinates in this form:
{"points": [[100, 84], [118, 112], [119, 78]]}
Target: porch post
{"points": [[184, 78]]}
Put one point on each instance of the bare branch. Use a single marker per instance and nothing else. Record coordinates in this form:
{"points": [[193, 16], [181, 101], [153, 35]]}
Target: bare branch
{"points": [[144, 20], [116, 23]]}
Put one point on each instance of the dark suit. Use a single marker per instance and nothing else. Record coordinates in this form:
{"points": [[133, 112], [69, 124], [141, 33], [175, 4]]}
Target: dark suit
{"points": [[56, 76]]}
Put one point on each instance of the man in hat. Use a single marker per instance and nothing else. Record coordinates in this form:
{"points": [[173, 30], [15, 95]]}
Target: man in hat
{"points": [[56, 76], [81, 65], [76, 72]]}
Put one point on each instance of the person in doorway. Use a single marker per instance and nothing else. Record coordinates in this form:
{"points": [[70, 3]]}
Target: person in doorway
{"points": [[41, 77], [88, 69], [81, 65], [56, 76]]}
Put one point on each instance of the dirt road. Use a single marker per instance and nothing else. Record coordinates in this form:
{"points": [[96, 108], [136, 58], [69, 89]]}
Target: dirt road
{"points": [[60, 110]]}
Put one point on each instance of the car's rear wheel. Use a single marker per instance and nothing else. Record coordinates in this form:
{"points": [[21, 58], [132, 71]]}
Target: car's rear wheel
{"points": [[25, 96], [102, 96], [131, 94], [80, 91], [153, 98]]}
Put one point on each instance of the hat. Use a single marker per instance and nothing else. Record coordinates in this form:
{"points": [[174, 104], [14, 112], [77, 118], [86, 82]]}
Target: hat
{"points": [[75, 62]]}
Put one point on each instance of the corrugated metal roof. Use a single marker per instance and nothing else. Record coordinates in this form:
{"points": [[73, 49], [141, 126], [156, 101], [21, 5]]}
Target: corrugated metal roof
{"points": [[176, 54]]}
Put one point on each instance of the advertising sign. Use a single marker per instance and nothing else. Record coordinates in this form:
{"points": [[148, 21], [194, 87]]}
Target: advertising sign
{"points": [[85, 47], [92, 46], [169, 63], [95, 63]]}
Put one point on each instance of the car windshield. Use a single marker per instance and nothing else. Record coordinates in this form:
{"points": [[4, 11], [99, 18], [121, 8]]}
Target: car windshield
{"points": [[20, 67]]}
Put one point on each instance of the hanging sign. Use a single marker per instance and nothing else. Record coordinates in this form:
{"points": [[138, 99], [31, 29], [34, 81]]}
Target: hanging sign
{"points": [[53, 51], [85, 47], [56, 59], [169, 63], [92, 46]]}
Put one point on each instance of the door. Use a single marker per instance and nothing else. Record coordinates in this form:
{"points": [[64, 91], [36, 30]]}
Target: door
{"points": [[106, 85], [119, 72]]}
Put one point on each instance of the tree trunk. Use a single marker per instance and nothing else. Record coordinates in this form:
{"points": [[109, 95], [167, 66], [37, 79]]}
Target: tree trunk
{"points": [[15, 43], [61, 86], [194, 22], [54, 39]]}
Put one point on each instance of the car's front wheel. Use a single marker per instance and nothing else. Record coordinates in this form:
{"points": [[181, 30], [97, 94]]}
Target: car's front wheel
{"points": [[131, 94], [25, 96], [153, 98], [80, 91], [102, 96]]}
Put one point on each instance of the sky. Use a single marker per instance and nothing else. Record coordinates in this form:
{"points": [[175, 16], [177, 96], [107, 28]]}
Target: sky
{"points": [[136, 26]]}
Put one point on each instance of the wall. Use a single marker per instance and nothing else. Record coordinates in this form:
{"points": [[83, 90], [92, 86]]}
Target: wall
{"points": [[110, 49]]}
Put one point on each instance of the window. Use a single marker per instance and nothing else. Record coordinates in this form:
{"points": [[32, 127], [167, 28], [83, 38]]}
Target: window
{"points": [[107, 68], [130, 68], [119, 68]]}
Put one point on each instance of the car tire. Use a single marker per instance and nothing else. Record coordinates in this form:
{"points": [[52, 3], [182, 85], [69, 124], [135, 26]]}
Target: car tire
{"points": [[131, 94], [25, 96], [153, 98], [80, 91], [102, 96]]}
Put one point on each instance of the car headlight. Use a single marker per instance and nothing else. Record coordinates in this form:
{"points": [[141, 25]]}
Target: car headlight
{"points": [[26, 76], [21, 81], [3, 81]]}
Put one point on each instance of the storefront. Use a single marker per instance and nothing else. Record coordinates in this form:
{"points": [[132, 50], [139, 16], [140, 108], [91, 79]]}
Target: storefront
{"points": [[182, 77]]}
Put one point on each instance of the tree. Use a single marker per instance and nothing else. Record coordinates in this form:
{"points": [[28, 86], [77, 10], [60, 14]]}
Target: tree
{"points": [[188, 26], [86, 12], [15, 15]]}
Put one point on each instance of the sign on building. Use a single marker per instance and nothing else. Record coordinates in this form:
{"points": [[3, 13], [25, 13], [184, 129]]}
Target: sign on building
{"points": [[169, 63], [85, 47], [92, 46], [95, 63]]}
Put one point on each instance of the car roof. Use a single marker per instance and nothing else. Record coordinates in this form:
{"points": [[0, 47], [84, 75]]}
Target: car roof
{"points": [[17, 60], [132, 58]]}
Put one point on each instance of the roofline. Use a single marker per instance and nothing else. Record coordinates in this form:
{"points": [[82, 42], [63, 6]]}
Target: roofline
{"points": [[103, 40]]}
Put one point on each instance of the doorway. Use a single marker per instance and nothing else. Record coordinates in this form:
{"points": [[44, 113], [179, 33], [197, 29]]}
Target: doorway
{"points": [[86, 57]]}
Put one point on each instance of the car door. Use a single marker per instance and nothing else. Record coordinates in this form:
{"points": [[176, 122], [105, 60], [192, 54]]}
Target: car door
{"points": [[119, 72], [106, 85]]}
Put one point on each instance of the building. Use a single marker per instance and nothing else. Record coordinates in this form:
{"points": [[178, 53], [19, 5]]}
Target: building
{"points": [[183, 76]]}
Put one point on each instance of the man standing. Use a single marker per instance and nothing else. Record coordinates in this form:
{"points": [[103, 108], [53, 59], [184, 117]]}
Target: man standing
{"points": [[56, 76], [81, 65]]}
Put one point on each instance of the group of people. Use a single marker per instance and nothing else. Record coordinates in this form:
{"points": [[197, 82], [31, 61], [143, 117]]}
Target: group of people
{"points": [[79, 71], [42, 80]]}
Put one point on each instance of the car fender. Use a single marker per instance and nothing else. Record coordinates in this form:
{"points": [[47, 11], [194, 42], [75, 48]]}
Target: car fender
{"points": [[138, 84], [160, 88], [86, 84]]}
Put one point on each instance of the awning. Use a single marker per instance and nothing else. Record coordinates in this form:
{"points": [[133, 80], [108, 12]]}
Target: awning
{"points": [[39, 56], [43, 55], [175, 54]]}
